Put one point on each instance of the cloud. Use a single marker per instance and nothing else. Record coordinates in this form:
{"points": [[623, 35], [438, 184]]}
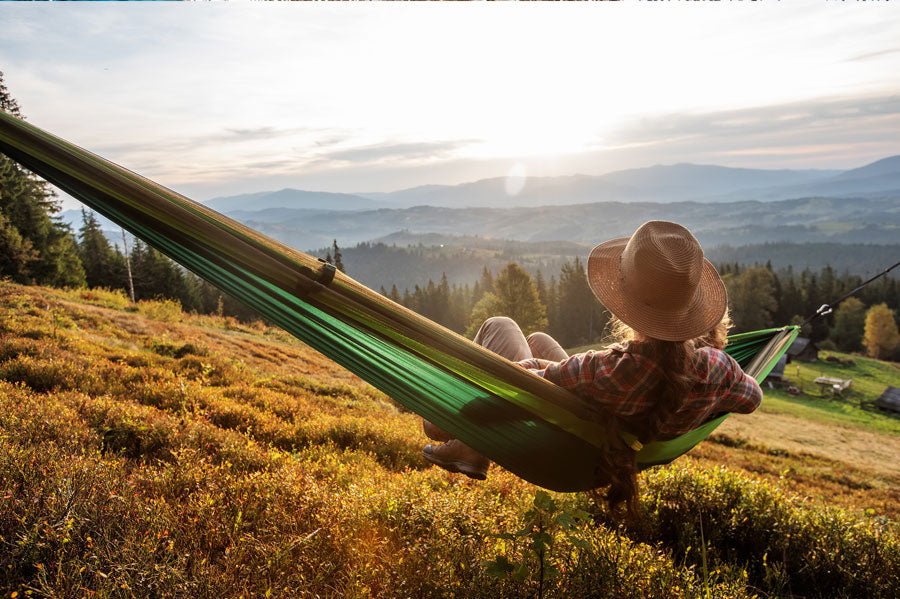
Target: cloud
{"points": [[192, 143], [754, 121], [404, 151], [815, 129], [253, 134], [870, 55]]}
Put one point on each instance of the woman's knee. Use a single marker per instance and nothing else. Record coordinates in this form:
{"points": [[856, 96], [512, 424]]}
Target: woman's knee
{"points": [[545, 347], [503, 336], [500, 322]]}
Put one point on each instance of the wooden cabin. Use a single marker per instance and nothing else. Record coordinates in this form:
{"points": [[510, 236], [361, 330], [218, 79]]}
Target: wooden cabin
{"points": [[889, 400], [803, 349]]}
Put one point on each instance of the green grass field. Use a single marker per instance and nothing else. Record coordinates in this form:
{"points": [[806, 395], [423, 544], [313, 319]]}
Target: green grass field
{"points": [[149, 453], [869, 380]]}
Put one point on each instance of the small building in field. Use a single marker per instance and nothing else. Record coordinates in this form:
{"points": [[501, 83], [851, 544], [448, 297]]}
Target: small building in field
{"points": [[777, 373], [803, 349], [889, 400]]}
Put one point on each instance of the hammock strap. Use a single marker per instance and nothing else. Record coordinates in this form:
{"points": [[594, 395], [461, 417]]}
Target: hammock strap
{"points": [[826, 309]]}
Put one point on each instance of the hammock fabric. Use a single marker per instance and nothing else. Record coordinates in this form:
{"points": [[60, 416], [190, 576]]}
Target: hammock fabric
{"points": [[535, 429]]}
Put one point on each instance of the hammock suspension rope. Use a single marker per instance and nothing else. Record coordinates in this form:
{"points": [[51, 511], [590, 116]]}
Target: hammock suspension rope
{"points": [[826, 309]]}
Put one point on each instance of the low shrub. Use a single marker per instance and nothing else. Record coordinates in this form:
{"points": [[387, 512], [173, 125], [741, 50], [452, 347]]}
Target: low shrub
{"points": [[785, 545], [98, 296], [167, 310]]}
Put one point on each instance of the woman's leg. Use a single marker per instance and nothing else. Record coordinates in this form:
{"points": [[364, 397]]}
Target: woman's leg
{"points": [[502, 336], [545, 347]]}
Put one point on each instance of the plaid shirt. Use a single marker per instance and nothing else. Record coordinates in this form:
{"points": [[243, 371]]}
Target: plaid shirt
{"points": [[623, 382]]}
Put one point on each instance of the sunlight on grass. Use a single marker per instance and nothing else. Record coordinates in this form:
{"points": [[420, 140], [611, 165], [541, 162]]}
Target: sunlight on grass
{"points": [[198, 456]]}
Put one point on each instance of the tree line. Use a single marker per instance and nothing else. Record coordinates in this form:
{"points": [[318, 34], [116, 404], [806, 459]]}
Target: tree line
{"points": [[759, 298]]}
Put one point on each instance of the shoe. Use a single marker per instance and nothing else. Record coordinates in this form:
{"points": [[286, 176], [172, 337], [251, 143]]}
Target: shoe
{"points": [[435, 432], [456, 456]]}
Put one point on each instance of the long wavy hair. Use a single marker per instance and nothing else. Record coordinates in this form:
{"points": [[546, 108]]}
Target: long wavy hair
{"points": [[617, 471]]}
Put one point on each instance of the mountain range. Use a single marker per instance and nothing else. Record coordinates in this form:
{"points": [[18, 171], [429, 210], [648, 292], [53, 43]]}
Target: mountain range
{"points": [[739, 208], [658, 184]]}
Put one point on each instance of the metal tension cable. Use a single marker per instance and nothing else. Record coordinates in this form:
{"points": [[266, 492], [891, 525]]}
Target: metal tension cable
{"points": [[826, 309]]}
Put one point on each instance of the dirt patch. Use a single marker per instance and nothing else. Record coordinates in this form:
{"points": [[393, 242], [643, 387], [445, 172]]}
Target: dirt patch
{"points": [[870, 451]]}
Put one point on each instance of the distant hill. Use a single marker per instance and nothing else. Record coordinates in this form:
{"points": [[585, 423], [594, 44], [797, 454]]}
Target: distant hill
{"points": [[657, 184], [815, 219], [680, 182], [293, 198]]}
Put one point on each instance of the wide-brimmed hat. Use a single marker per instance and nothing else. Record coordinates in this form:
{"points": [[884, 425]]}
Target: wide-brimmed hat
{"points": [[658, 282]]}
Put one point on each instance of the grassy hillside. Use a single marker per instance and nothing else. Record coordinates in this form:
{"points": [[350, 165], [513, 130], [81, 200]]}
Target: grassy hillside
{"points": [[850, 407], [145, 452]]}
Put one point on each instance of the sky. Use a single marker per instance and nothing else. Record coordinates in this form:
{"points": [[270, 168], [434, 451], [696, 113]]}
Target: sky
{"points": [[215, 99]]}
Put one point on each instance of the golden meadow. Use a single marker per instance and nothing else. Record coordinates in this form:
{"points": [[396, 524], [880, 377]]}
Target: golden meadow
{"points": [[147, 452]]}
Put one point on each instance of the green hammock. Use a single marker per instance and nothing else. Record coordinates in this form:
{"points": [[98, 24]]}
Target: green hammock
{"points": [[531, 427]]}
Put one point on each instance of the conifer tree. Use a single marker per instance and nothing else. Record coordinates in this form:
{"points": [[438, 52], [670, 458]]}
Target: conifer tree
{"points": [[541, 288], [514, 296], [338, 263], [751, 297], [102, 266], [27, 204], [155, 275], [16, 253], [581, 316], [849, 323], [487, 281], [552, 306]]}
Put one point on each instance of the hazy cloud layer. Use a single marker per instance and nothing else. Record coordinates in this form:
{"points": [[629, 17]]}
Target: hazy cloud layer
{"points": [[815, 131], [878, 54], [403, 151]]}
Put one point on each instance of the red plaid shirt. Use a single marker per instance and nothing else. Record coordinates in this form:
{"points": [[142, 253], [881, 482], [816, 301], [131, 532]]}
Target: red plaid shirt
{"points": [[623, 382]]}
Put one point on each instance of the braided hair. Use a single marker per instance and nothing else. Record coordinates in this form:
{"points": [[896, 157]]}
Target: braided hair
{"points": [[675, 362]]}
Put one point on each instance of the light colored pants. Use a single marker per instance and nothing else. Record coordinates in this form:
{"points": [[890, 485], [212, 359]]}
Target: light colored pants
{"points": [[503, 336]]}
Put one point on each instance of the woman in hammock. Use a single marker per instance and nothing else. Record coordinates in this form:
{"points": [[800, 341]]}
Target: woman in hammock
{"points": [[668, 374]]}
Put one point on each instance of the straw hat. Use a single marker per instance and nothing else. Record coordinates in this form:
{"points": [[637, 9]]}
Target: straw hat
{"points": [[658, 282]]}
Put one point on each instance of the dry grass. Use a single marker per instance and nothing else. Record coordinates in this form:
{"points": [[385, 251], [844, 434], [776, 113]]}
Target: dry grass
{"points": [[198, 456], [871, 451]]}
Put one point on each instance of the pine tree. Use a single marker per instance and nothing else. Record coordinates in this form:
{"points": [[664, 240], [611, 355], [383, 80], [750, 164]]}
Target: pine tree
{"points": [[338, 263], [441, 302], [553, 306], [394, 294], [157, 276], [849, 322], [27, 204], [487, 280], [751, 296], [581, 317], [514, 296], [8, 104], [102, 266], [541, 288], [16, 253]]}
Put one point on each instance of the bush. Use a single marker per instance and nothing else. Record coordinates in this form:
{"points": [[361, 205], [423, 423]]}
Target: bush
{"points": [[783, 544], [167, 310]]}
